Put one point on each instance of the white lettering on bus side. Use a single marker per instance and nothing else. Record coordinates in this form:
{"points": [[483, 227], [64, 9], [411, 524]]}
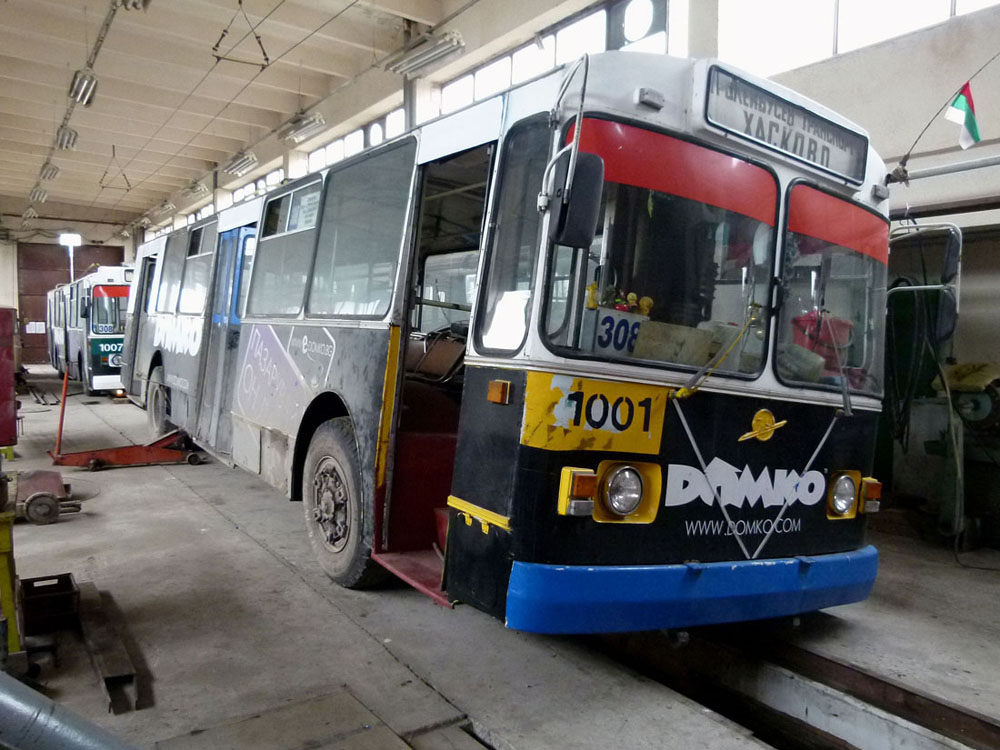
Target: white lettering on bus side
{"points": [[177, 334], [259, 371]]}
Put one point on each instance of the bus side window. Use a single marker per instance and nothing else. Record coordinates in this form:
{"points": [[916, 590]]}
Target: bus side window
{"points": [[198, 269], [285, 252], [170, 274], [364, 219], [503, 320]]}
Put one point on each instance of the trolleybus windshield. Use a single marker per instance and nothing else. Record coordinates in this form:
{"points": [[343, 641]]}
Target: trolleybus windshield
{"points": [[107, 309], [681, 266], [833, 289]]}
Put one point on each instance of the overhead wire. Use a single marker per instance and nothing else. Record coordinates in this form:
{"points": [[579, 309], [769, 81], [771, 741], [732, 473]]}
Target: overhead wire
{"points": [[247, 85], [177, 108]]}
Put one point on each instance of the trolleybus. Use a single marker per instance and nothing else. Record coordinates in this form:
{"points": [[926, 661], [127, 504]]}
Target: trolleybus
{"points": [[85, 325], [601, 353]]}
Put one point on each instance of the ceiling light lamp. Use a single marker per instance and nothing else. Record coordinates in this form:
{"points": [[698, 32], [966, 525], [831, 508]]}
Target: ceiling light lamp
{"points": [[49, 171], [143, 222], [83, 87], [194, 189], [66, 138], [240, 164], [429, 50], [165, 207], [38, 194], [29, 213], [130, 4], [302, 127]]}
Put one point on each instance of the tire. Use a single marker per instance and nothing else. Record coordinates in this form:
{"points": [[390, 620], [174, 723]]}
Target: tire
{"points": [[41, 509], [158, 403], [338, 518]]}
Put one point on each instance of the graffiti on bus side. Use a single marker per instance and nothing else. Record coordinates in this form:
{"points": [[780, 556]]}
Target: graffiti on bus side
{"points": [[178, 335]]}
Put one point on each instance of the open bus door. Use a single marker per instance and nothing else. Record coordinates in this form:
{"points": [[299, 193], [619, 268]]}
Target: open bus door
{"points": [[142, 289], [214, 428]]}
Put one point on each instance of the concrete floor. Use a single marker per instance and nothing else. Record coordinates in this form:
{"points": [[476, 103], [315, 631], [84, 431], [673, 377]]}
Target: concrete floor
{"points": [[213, 575], [215, 581]]}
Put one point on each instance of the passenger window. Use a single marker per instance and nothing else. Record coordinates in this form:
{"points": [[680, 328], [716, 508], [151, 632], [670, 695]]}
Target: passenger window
{"points": [[198, 269], [293, 212], [170, 275], [503, 322], [364, 219], [284, 256]]}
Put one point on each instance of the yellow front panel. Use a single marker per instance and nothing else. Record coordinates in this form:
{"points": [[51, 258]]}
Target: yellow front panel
{"points": [[566, 413]]}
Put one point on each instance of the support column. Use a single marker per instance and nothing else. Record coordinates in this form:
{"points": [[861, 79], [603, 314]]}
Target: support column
{"points": [[703, 29], [296, 164]]}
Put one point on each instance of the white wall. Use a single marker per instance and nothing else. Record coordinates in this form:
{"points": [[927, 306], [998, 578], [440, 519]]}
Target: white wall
{"points": [[893, 89], [8, 274]]}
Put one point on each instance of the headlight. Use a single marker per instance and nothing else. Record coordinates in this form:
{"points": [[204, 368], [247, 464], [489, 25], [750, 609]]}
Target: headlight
{"points": [[844, 491], [623, 490]]}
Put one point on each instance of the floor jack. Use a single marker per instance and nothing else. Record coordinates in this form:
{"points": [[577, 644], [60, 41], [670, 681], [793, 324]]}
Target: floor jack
{"points": [[173, 448]]}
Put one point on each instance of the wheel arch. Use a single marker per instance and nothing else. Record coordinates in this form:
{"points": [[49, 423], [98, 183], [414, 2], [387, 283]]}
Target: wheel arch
{"points": [[325, 406]]}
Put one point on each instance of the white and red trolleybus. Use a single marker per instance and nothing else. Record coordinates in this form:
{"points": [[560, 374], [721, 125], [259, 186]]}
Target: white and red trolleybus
{"points": [[603, 352]]}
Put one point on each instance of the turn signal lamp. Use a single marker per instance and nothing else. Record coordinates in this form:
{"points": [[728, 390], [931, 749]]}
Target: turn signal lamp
{"points": [[871, 495], [577, 488]]}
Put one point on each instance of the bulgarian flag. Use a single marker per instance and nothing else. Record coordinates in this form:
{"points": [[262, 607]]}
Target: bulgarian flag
{"points": [[963, 112]]}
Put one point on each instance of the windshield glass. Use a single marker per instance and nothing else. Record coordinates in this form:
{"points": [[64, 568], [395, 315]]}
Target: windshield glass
{"points": [[679, 273], [833, 292], [107, 309]]}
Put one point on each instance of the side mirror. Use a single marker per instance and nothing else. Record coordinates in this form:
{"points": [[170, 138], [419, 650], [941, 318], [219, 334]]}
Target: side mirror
{"points": [[573, 221], [952, 257], [85, 307]]}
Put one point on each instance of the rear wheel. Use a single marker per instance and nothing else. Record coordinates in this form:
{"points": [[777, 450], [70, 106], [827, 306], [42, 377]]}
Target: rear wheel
{"points": [[338, 518], [158, 403]]}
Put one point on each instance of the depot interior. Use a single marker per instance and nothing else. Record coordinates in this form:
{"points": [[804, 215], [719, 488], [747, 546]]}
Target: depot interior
{"points": [[177, 110]]}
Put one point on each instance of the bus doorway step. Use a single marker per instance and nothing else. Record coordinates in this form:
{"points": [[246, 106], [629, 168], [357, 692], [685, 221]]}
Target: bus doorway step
{"points": [[421, 569], [173, 448]]}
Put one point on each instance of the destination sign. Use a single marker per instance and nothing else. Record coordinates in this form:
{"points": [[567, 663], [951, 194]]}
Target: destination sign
{"points": [[758, 115]]}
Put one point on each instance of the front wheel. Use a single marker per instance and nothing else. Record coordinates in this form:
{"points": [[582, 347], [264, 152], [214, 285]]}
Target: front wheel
{"points": [[338, 518], [158, 403]]}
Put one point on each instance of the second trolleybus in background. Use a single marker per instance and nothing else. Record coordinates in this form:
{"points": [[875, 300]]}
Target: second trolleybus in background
{"points": [[85, 322], [601, 353]]}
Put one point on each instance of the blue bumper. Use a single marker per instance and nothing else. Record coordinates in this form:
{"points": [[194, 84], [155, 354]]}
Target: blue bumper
{"points": [[593, 599]]}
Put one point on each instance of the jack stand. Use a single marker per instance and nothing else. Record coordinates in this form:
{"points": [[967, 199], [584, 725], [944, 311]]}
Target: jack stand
{"points": [[173, 448]]}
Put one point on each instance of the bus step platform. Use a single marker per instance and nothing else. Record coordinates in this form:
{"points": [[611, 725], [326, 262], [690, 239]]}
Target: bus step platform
{"points": [[173, 448], [421, 569]]}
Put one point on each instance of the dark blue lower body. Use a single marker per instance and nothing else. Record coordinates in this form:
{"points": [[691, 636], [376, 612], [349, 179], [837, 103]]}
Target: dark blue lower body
{"points": [[605, 599]]}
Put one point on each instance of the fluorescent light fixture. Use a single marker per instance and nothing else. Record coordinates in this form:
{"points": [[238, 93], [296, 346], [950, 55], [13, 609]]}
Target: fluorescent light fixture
{"points": [[49, 171], [130, 4], [70, 239], [194, 189], [240, 164], [66, 138], [144, 221], [302, 127], [165, 207], [29, 213], [38, 194], [83, 87], [429, 50]]}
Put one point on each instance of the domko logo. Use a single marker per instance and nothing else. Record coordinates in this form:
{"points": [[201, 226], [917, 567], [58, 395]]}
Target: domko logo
{"points": [[686, 484]]}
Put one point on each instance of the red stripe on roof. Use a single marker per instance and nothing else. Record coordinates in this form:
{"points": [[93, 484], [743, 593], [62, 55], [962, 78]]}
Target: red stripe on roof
{"points": [[828, 218], [105, 290], [633, 156]]}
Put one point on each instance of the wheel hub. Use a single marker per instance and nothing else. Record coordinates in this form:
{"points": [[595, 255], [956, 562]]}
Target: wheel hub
{"points": [[330, 510]]}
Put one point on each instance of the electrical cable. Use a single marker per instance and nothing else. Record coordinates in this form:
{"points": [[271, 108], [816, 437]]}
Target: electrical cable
{"points": [[244, 88]]}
